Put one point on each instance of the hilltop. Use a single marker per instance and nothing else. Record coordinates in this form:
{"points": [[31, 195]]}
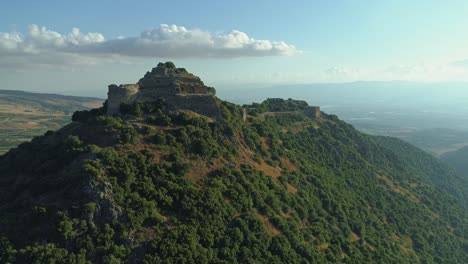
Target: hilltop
{"points": [[176, 86], [24, 115], [273, 182]]}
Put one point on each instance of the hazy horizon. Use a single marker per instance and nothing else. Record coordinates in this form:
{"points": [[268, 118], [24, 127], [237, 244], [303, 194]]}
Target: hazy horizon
{"points": [[461, 87], [53, 47]]}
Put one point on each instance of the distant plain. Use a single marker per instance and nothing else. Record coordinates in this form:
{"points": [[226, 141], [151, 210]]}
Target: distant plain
{"points": [[26, 115]]}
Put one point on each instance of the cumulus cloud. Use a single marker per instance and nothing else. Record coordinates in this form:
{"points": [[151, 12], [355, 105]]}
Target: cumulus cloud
{"points": [[40, 45], [40, 39]]}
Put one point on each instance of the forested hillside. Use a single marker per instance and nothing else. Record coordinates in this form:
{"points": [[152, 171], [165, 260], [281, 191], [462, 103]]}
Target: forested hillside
{"points": [[155, 186], [458, 159]]}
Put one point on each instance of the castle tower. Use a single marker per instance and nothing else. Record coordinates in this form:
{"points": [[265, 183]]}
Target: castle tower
{"points": [[179, 88], [312, 111]]}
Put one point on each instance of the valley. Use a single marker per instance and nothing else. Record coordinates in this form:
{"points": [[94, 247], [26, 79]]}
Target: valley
{"points": [[26, 115]]}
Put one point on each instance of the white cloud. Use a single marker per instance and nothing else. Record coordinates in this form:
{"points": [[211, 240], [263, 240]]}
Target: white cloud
{"points": [[40, 39], [171, 41], [43, 46], [9, 41], [441, 71]]}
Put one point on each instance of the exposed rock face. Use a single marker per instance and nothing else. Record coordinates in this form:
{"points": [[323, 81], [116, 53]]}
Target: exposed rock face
{"points": [[180, 89]]}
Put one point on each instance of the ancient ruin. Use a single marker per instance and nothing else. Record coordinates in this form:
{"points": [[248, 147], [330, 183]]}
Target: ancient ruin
{"points": [[312, 111], [180, 89]]}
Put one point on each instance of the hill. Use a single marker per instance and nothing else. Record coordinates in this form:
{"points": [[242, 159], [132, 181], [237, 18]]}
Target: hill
{"points": [[457, 159], [266, 183], [436, 141], [24, 115], [435, 122]]}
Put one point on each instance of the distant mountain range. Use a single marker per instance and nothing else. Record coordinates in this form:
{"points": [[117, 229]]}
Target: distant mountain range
{"points": [[24, 115]]}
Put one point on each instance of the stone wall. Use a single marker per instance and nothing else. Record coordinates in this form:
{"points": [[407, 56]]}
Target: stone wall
{"points": [[180, 89], [125, 93], [193, 89], [163, 81], [155, 92], [312, 111], [201, 104]]}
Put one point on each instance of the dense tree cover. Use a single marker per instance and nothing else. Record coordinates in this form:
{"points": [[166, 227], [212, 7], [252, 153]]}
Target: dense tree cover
{"points": [[458, 159], [276, 105], [423, 164], [171, 65], [161, 187], [168, 64]]}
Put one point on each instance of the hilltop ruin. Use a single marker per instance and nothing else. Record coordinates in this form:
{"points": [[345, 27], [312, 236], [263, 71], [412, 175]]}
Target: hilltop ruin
{"points": [[180, 90]]}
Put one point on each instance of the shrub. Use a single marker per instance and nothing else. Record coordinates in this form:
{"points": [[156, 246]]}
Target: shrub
{"points": [[202, 148], [147, 130], [135, 109], [170, 65], [128, 134], [65, 226], [138, 109], [153, 107], [7, 252], [84, 116], [159, 139], [81, 116], [160, 119], [47, 253], [212, 90], [110, 121]]}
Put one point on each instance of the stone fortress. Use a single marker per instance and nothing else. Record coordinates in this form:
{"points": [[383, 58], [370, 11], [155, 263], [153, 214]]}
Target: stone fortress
{"points": [[312, 111], [179, 88]]}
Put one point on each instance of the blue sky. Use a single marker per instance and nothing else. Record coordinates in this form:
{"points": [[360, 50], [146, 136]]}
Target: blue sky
{"points": [[231, 42]]}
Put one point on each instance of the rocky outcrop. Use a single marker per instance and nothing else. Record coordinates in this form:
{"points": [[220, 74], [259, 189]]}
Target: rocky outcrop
{"points": [[180, 89]]}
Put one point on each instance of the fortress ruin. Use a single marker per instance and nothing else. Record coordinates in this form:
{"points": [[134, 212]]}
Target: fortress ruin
{"points": [[182, 90], [179, 88]]}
